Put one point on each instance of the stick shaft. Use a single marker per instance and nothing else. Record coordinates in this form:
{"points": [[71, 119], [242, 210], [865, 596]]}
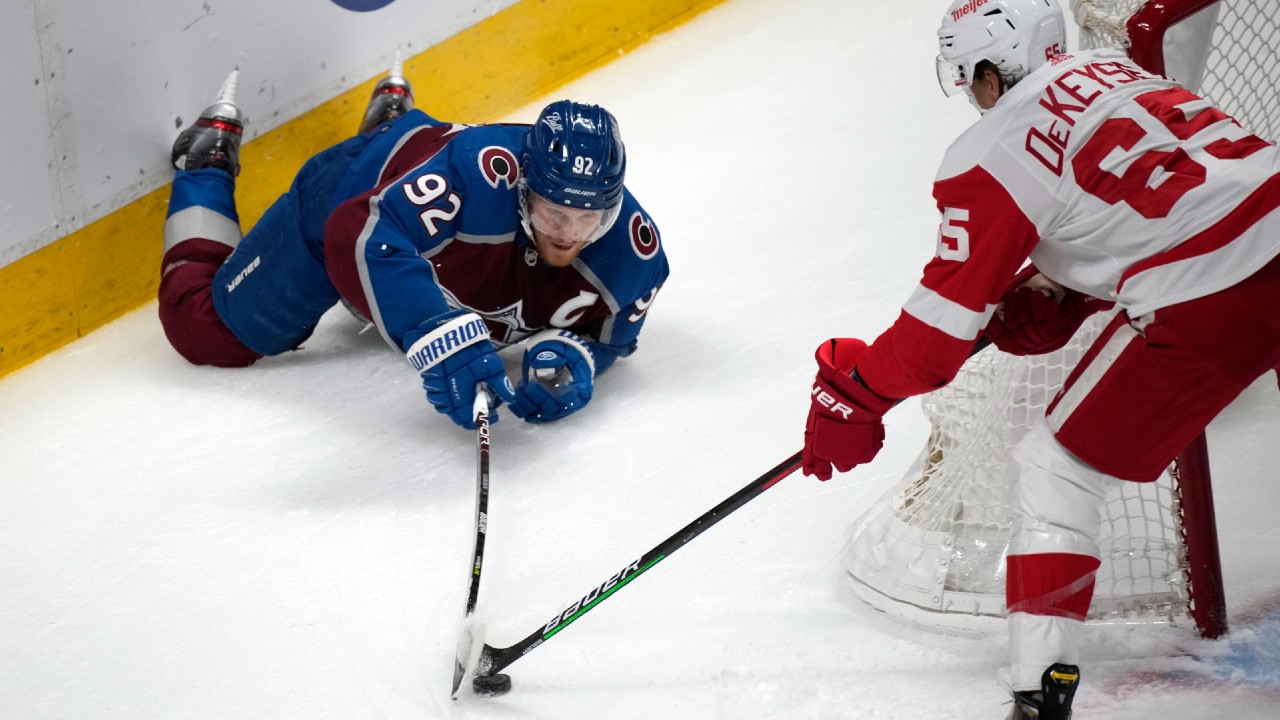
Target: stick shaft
{"points": [[493, 659], [467, 634], [482, 498]]}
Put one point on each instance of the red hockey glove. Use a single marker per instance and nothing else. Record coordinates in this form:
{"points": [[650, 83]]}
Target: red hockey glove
{"points": [[1033, 321], [844, 427]]}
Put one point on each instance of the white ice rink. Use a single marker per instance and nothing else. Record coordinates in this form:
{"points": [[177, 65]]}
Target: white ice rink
{"points": [[291, 541]]}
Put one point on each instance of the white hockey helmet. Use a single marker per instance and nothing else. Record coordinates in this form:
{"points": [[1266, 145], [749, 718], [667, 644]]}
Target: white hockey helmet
{"points": [[1017, 36]]}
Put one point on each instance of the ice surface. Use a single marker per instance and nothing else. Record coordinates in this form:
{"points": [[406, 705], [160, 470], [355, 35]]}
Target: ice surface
{"points": [[292, 540]]}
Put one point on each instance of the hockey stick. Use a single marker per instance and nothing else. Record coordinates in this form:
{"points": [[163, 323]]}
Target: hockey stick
{"points": [[494, 659], [471, 635]]}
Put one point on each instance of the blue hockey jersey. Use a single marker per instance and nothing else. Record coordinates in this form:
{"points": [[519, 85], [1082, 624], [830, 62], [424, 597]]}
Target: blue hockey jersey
{"points": [[440, 230]]}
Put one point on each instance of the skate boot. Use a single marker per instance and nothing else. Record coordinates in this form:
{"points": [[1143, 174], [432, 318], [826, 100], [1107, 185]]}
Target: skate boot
{"points": [[1053, 702], [392, 97], [214, 139]]}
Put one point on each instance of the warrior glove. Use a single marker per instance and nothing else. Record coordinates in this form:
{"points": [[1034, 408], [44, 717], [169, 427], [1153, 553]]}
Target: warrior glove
{"points": [[557, 377], [454, 355], [844, 428]]}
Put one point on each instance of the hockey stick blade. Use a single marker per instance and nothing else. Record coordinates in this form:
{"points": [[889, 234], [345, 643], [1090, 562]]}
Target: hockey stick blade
{"points": [[471, 633], [470, 646]]}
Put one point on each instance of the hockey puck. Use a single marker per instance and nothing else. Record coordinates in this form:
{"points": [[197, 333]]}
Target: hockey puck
{"points": [[491, 685]]}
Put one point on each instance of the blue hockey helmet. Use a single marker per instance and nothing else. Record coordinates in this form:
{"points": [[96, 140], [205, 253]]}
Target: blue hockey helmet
{"points": [[574, 158]]}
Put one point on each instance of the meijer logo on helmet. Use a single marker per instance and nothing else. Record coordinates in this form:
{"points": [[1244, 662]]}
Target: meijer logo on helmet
{"points": [[967, 8]]}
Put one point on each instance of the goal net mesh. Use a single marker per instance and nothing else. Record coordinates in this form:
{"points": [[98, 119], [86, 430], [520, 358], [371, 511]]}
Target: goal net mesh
{"points": [[932, 549]]}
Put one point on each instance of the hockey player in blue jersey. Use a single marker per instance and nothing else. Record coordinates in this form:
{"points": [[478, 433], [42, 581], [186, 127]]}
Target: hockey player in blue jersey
{"points": [[453, 240]]}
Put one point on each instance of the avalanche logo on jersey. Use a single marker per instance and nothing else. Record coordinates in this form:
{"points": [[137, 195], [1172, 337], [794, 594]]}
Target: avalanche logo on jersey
{"points": [[644, 237], [509, 318], [499, 167]]}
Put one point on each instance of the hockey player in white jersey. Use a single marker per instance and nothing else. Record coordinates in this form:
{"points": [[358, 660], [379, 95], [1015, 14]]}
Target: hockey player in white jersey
{"points": [[1120, 187]]}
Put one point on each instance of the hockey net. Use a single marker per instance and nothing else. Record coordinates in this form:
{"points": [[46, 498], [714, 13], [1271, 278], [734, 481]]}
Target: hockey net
{"points": [[932, 550]]}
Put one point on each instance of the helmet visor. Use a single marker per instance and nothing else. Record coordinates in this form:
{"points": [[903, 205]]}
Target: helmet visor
{"points": [[950, 77], [570, 224]]}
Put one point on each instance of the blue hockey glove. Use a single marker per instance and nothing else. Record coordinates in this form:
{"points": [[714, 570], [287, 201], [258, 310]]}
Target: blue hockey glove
{"points": [[558, 375], [454, 355]]}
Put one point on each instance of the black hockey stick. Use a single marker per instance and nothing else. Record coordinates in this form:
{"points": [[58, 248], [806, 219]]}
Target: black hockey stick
{"points": [[472, 633], [494, 659]]}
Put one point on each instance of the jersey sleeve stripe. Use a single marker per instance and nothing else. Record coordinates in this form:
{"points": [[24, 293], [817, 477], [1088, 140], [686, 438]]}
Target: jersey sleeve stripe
{"points": [[950, 317]]}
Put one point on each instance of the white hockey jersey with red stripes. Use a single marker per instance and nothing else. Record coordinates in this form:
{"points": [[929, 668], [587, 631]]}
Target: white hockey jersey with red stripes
{"points": [[1114, 182]]}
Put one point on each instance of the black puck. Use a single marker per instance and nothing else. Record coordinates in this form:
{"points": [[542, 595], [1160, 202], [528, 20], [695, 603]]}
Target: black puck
{"points": [[491, 685]]}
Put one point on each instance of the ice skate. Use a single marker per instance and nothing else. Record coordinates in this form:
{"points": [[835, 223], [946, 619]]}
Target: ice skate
{"points": [[1053, 701], [214, 139], [392, 97]]}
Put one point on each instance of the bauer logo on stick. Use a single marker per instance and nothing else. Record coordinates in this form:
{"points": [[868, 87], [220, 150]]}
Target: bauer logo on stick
{"points": [[592, 596]]}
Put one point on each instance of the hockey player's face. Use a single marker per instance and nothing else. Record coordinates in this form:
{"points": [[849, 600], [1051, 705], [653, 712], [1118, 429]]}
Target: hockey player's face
{"points": [[561, 232], [555, 252]]}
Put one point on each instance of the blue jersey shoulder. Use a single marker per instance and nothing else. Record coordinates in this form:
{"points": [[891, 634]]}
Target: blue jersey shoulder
{"points": [[467, 187], [629, 259], [484, 162]]}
